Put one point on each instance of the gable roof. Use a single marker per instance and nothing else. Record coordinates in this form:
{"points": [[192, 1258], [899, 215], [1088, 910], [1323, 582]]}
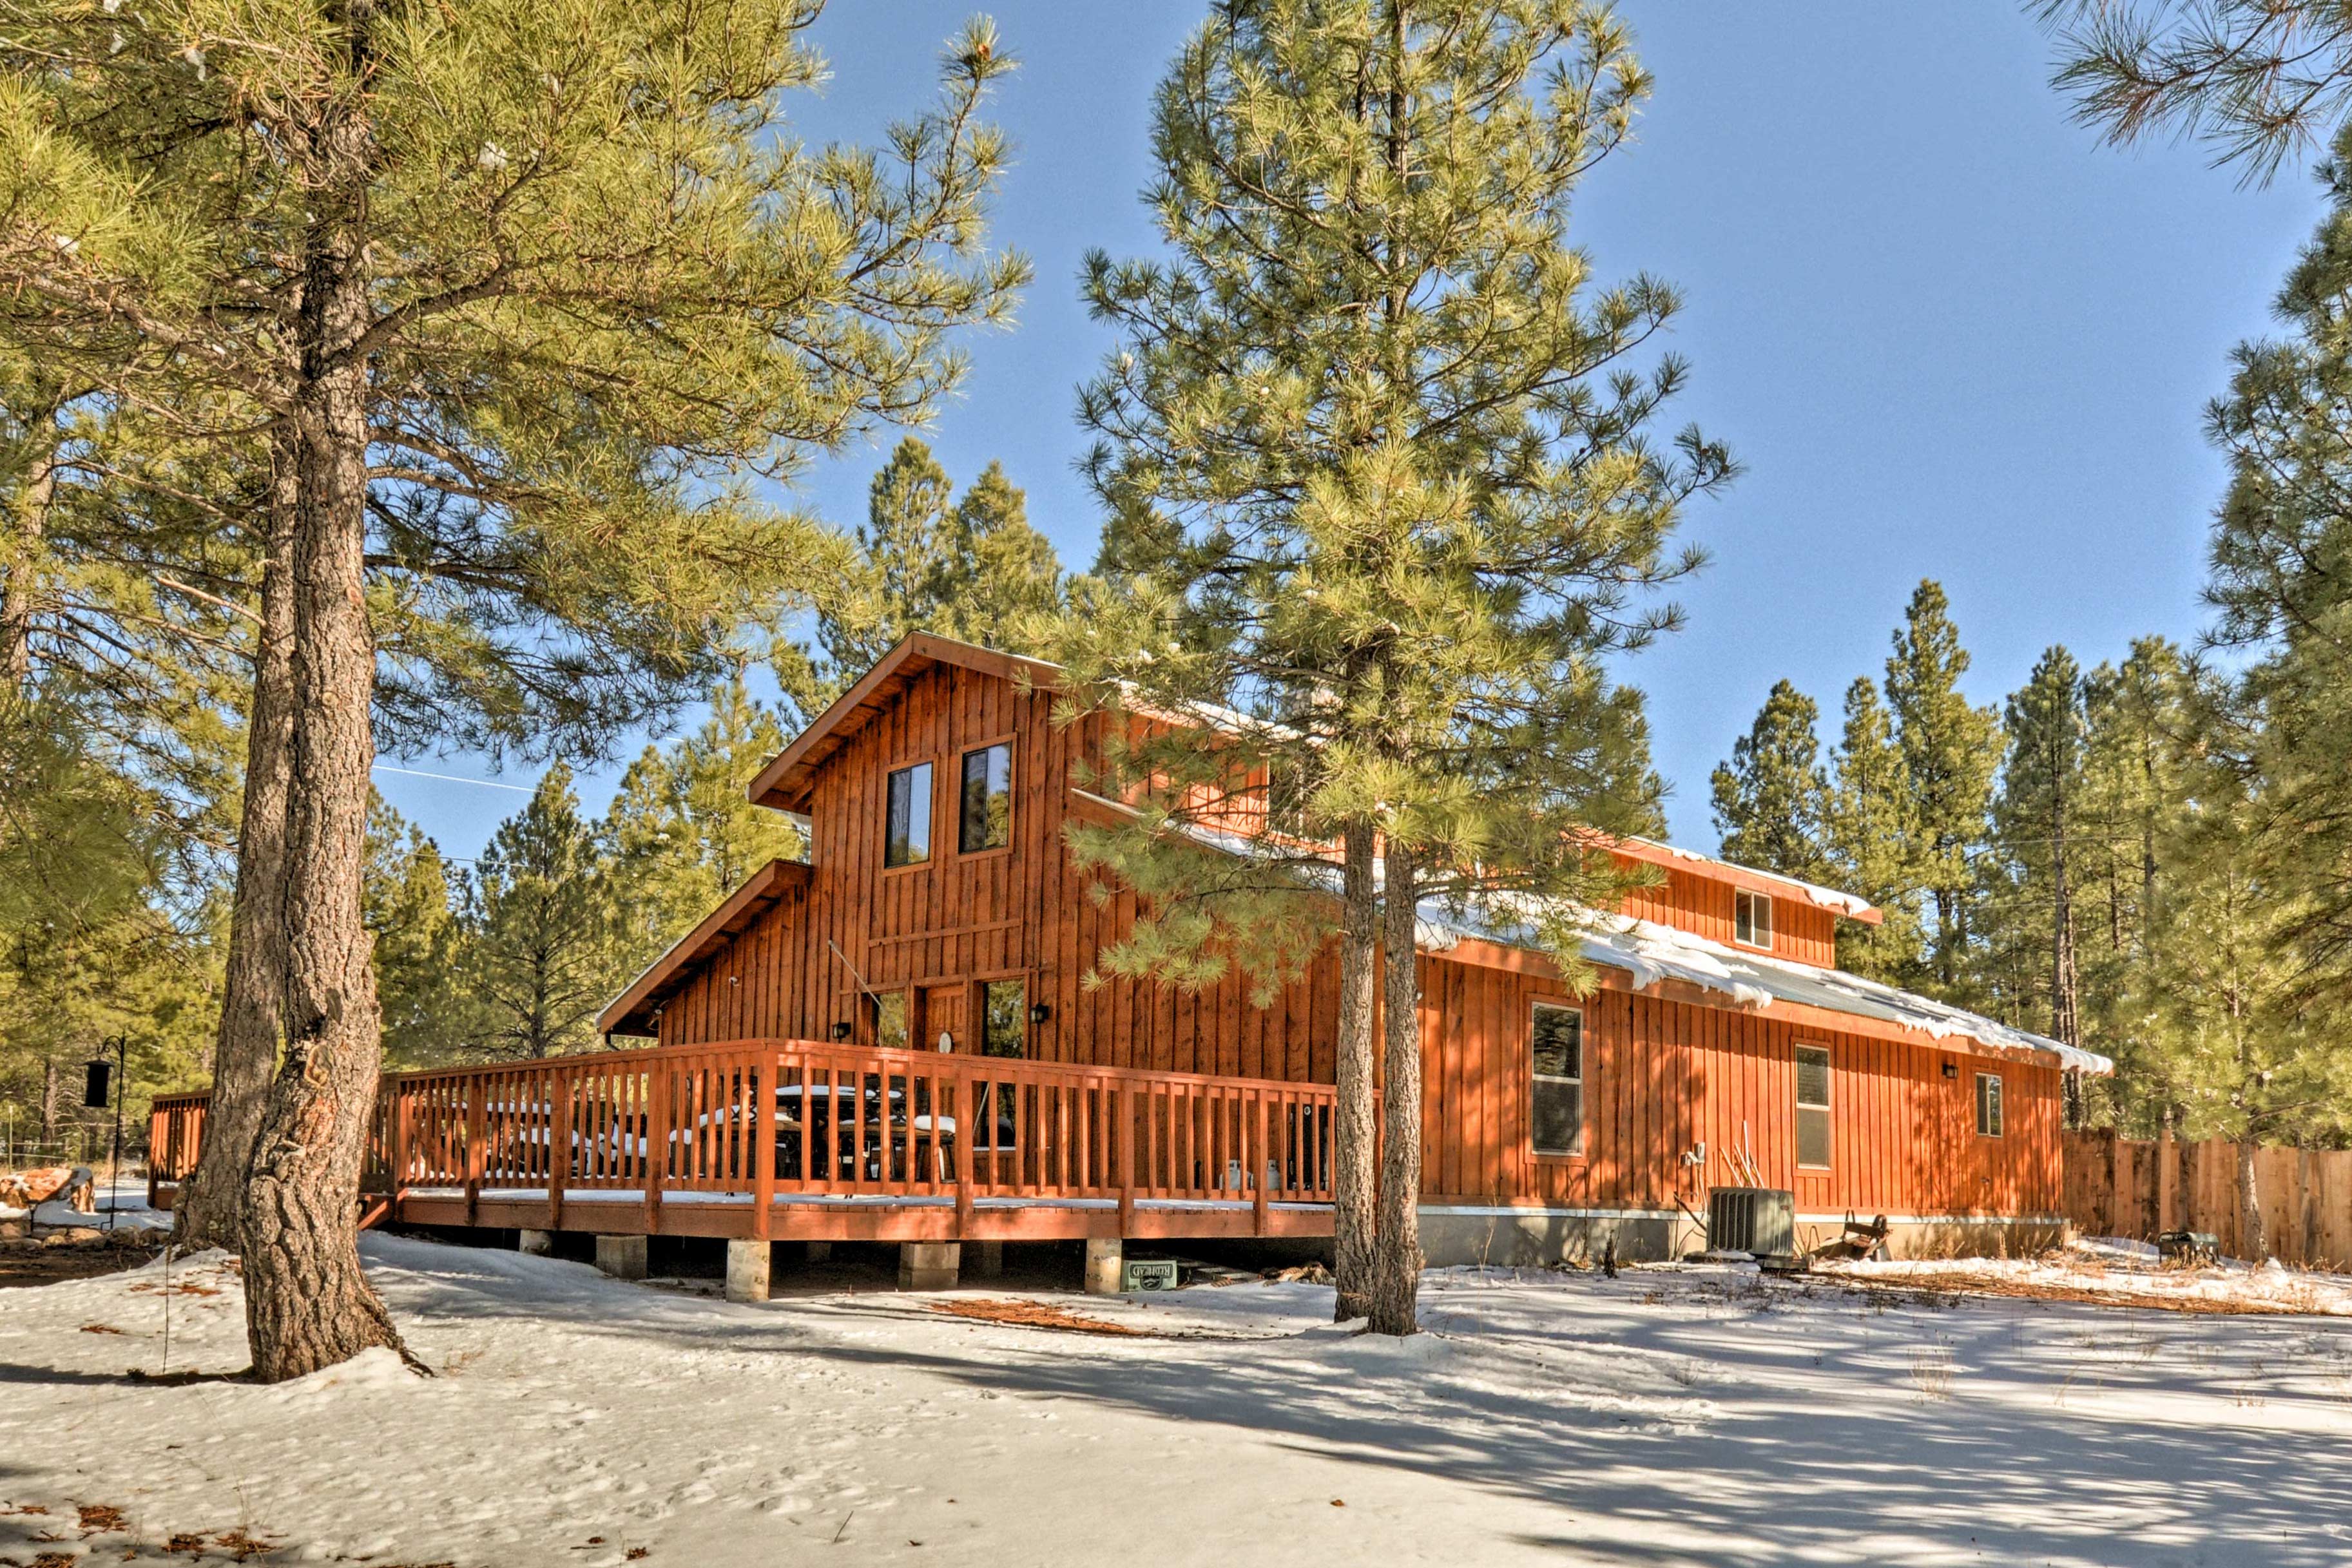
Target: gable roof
{"points": [[632, 1013], [785, 782]]}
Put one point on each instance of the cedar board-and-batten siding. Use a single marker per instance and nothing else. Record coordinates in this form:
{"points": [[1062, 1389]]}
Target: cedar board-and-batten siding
{"points": [[1023, 912], [1661, 1076]]}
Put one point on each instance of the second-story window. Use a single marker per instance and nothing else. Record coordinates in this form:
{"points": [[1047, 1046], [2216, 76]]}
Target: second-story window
{"points": [[985, 820], [1751, 919], [907, 833]]}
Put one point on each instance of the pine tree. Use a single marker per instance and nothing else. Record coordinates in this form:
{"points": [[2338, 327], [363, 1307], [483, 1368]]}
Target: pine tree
{"points": [[506, 286], [540, 947], [967, 567], [1949, 752], [2037, 819], [409, 914], [1871, 825], [1771, 797], [683, 830], [1384, 503], [2256, 79]]}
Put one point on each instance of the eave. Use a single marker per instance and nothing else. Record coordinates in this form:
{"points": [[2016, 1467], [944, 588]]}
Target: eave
{"points": [[633, 1012]]}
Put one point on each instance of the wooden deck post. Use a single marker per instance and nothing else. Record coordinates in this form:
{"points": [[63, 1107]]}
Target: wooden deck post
{"points": [[1256, 1167], [1127, 1159], [656, 1142], [763, 1147], [475, 1131], [559, 1145], [969, 1095]]}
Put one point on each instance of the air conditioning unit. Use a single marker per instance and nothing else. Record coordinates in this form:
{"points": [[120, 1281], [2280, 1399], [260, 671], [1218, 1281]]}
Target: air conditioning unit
{"points": [[1148, 1274], [1759, 1220]]}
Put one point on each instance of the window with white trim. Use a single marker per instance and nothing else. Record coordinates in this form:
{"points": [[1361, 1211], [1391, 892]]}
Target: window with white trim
{"points": [[1988, 1104], [1813, 1106], [1751, 918], [1556, 1099]]}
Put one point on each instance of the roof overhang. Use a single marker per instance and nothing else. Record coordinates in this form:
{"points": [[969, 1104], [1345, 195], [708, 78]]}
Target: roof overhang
{"points": [[785, 783], [632, 1013]]}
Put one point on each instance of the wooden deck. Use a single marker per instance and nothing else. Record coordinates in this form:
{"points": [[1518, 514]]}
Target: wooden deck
{"points": [[798, 1140]]}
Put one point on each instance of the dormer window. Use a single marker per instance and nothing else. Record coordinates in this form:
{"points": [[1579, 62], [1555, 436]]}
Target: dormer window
{"points": [[1751, 918], [906, 831], [984, 820]]}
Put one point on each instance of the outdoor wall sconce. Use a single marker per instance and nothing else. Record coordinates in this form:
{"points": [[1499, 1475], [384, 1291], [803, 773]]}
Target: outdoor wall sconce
{"points": [[1951, 1070], [1040, 1013], [842, 1029]]}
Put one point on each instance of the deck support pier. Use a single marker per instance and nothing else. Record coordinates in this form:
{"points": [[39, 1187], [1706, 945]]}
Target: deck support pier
{"points": [[748, 1268], [930, 1265], [535, 1243], [1105, 1255], [623, 1257], [986, 1258]]}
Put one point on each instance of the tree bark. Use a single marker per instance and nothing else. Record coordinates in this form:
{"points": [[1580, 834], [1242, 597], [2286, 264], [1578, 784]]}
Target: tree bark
{"points": [[210, 1209], [1353, 1224], [308, 1303], [2253, 1236], [18, 599], [1396, 1272]]}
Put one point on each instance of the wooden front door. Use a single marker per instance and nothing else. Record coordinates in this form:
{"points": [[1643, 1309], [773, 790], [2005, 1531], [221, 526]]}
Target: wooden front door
{"points": [[943, 1012]]}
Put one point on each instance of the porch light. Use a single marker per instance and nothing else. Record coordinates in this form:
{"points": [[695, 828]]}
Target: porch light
{"points": [[1040, 1013], [842, 1029], [1951, 1070]]}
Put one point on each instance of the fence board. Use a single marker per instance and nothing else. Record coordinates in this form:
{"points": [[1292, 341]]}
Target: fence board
{"points": [[2132, 1188]]}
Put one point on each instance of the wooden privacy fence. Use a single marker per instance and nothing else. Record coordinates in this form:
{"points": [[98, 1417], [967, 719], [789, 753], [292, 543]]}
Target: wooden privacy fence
{"points": [[2122, 1186], [772, 1123]]}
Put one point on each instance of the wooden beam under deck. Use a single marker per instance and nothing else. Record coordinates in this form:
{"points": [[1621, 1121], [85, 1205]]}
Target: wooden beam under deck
{"points": [[1009, 1221]]}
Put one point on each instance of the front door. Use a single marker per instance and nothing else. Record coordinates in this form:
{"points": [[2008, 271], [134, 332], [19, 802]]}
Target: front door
{"points": [[941, 1020]]}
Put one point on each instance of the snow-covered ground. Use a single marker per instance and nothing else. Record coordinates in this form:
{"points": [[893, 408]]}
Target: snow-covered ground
{"points": [[1693, 1415], [2108, 1270]]}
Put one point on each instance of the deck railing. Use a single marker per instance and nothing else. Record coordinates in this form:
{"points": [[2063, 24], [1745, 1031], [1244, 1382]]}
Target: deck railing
{"points": [[842, 1123]]}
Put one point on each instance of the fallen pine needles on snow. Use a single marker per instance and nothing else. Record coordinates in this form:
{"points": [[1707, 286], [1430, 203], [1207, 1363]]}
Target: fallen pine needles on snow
{"points": [[1031, 1315]]}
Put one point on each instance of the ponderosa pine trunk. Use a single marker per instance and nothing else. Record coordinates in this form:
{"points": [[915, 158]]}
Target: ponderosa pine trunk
{"points": [[210, 1209], [2253, 1236], [19, 598], [1353, 1137], [1396, 1269], [308, 1303]]}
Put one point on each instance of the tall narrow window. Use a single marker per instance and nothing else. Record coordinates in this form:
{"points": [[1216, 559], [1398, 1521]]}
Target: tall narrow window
{"points": [[986, 820], [906, 836], [1556, 1073], [1812, 1105], [1003, 1019], [889, 1018], [1988, 1104], [1751, 919]]}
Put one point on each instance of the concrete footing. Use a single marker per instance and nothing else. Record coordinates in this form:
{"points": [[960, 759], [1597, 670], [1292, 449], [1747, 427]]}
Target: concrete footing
{"points": [[535, 1243], [748, 1265], [623, 1257], [929, 1265], [1104, 1258], [985, 1258]]}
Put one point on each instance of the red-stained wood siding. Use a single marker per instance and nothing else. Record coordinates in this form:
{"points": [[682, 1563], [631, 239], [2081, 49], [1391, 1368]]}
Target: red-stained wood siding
{"points": [[1017, 913], [1661, 1076], [1690, 901]]}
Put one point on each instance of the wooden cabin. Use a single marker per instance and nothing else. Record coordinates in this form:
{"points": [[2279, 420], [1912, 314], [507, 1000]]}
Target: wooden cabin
{"points": [[928, 965]]}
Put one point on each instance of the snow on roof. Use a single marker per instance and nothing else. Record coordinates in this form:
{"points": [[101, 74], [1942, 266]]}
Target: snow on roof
{"points": [[1826, 897], [1650, 953]]}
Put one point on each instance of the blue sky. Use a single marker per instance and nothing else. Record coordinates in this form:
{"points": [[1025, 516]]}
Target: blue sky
{"points": [[1944, 332]]}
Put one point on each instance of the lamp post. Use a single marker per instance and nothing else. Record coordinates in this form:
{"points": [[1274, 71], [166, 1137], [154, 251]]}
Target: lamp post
{"points": [[97, 1091]]}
